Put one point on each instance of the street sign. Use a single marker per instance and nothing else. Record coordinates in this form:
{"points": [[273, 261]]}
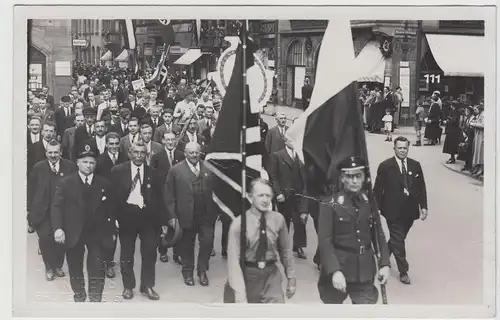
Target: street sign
{"points": [[80, 43], [405, 33]]}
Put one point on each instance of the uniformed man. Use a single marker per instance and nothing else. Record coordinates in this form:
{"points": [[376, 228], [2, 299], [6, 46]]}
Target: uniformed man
{"points": [[345, 235], [259, 281], [82, 217]]}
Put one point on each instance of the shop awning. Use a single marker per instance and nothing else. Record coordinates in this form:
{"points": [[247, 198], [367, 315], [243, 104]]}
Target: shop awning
{"points": [[458, 55], [189, 57], [370, 59], [107, 56], [122, 57]]}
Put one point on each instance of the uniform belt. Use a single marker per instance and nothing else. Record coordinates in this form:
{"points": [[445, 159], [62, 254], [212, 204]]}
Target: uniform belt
{"points": [[360, 250], [260, 265]]}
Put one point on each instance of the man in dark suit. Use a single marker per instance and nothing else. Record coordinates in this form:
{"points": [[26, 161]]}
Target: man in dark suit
{"points": [[33, 133], [49, 97], [105, 163], [42, 183], [64, 115], [83, 217], [122, 127], [136, 111], [163, 161], [191, 135], [307, 90], [37, 151], [188, 198], [98, 142], [208, 121], [46, 113], [132, 136], [288, 179], [275, 139], [68, 139], [402, 197], [137, 192], [117, 91], [87, 131], [152, 147], [167, 126], [91, 89], [154, 119]]}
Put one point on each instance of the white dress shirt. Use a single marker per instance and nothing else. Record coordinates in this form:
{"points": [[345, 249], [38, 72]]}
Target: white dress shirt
{"points": [[90, 177], [192, 136], [399, 161], [35, 137], [194, 168], [133, 171], [101, 143], [170, 155], [291, 153], [124, 126], [55, 165]]}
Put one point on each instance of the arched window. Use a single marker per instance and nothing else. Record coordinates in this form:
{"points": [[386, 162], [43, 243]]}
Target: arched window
{"points": [[295, 54]]}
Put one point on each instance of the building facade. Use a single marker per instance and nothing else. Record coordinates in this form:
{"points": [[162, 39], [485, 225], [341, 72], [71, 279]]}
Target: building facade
{"points": [[299, 41], [50, 55]]}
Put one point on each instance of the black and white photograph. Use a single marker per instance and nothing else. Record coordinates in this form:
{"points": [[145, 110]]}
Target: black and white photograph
{"points": [[182, 157]]}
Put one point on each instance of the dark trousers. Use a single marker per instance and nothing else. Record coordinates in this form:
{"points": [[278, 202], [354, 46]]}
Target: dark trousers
{"points": [[289, 210], [205, 233], [52, 252], [398, 230], [148, 234], [95, 267], [360, 293], [109, 254], [262, 286]]}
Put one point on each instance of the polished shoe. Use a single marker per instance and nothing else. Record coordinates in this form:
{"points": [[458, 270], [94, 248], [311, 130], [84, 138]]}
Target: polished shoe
{"points": [[150, 293], [212, 254], [300, 253], [31, 229], [110, 271], [60, 273], [417, 144], [224, 254], [128, 294], [80, 297], [386, 139], [164, 258], [95, 298], [49, 275], [189, 281], [450, 161], [404, 278], [474, 170], [464, 169], [203, 279], [177, 259]]}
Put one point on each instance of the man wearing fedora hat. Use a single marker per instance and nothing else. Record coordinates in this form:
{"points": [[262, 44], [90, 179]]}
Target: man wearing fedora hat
{"points": [[83, 217], [348, 266]]}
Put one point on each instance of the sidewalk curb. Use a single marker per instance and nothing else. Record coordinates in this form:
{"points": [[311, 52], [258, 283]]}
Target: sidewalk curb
{"points": [[454, 169]]}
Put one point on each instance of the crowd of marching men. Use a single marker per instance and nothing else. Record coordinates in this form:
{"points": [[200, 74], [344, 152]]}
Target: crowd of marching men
{"points": [[98, 128]]}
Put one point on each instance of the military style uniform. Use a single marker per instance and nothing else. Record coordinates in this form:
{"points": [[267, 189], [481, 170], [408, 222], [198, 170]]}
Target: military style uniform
{"points": [[345, 244]]}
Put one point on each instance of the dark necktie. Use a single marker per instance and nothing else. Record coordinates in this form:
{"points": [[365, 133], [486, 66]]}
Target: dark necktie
{"points": [[171, 159], [133, 138], [87, 184], [54, 168], [137, 178], [114, 159], [405, 176], [262, 246]]}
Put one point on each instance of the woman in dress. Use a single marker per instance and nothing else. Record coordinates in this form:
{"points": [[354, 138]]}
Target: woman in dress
{"points": [[453, 133], [468, 132], [432, 128], [478, 125]]}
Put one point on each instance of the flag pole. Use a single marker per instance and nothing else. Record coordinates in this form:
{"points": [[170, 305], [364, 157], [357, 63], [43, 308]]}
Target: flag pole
{"points": [[243, 237]]}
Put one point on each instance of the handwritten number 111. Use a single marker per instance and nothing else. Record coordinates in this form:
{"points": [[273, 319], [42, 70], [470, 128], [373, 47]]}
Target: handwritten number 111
{"points": [[432, 78]]}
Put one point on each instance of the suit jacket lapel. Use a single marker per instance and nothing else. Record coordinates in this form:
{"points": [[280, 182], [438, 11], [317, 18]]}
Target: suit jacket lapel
{"points": [[146, 185], [398, 171], [286, 157]]}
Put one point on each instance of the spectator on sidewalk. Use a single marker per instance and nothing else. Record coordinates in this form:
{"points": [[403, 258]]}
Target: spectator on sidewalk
{"points": [[453, 133], [468, 142], [419, 120], [478, 125]]}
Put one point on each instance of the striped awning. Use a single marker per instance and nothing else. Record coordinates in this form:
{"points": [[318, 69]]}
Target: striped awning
{"points": [[107, 56], [189, 57], [123, 57]]}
